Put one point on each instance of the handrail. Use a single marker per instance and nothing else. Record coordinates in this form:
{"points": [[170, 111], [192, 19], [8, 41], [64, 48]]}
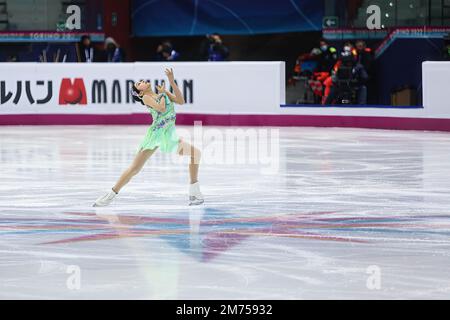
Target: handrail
{"points": [[392, 34], [410, 32]]}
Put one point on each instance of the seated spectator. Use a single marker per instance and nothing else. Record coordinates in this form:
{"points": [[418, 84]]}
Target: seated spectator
{"points": [[166, 52], [113, 52], [86, 51]]}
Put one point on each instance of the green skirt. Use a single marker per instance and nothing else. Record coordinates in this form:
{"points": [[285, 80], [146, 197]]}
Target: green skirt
{"points": [[166, 139]]}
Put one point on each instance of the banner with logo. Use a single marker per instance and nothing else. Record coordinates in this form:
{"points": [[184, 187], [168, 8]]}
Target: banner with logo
{"points": [[101, 88]]}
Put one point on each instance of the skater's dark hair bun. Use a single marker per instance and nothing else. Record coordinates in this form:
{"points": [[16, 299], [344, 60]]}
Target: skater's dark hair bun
{"points": [[135, 94]]}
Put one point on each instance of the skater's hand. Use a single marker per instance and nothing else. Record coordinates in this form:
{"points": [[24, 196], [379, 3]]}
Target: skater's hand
{"points": [[161, 88], [176, 96], [169, 74]]}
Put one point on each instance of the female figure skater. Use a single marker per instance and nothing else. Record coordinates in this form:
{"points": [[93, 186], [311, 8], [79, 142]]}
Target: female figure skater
{"points": [[161, 134]]}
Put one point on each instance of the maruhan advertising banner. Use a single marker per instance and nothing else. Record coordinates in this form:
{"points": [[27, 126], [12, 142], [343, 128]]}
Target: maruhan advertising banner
{"points": [[208, 88]]}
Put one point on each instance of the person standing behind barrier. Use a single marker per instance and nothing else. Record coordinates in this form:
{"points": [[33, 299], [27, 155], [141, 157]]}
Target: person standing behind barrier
{"points": [[113, 52], [166, 52], [213, 49], [364, 55], [325, 64], [86, 51], [353, 75], [363, 70], [328, 57], [328, 82]]}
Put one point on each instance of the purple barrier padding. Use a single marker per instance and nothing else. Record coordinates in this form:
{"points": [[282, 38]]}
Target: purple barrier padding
{"points": [[427, 124]]}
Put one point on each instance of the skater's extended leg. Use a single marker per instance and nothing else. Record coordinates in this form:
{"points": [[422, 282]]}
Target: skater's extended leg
{"points": [[126, 176], [133, 169]]}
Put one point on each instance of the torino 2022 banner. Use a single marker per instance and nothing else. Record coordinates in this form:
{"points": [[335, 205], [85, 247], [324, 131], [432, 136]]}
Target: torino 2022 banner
{"points": [[200, 17], [99, 88]]}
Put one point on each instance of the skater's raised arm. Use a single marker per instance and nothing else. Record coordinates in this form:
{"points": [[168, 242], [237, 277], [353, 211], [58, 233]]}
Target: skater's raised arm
{"points": [[176, 96]]}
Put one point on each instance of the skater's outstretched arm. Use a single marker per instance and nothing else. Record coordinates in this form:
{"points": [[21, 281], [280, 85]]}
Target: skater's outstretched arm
{"points": [[176, 96]]}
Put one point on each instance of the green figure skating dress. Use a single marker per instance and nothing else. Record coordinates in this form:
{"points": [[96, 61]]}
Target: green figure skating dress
{"points": [[161, 134]]}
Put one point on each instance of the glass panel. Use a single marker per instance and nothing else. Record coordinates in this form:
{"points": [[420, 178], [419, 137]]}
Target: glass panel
{"points": [[393, 13], [48, 15], [412, 13]]}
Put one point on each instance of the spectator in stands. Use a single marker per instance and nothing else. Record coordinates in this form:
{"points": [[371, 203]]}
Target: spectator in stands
{"points": [[328, 57], [349, 78], [113, 51], [347, 51], [349, 47], [364, 66], [325, 63], [364, 55], [166, 52], [159, 53], [86, 51], [361, 78], [213, 48], [315, 54]]}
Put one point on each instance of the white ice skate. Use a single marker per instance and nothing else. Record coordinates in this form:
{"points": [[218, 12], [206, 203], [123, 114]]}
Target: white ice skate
{"points": [[105, 200], [195, 196]]}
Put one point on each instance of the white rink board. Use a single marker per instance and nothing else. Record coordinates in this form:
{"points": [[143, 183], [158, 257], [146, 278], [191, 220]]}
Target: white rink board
{"points": [[222, 88], [436, 88], [213, 88]]}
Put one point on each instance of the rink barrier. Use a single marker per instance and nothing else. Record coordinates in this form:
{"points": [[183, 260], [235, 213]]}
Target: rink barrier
{"points": [[394, 123], [104, 88], [221, 94]]}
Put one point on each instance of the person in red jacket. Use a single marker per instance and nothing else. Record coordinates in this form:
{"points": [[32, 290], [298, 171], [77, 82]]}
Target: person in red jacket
{"points": [[326, 61]]}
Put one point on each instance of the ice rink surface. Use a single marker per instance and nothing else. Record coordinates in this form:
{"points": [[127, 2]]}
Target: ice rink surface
{"points": [[324, 214]]}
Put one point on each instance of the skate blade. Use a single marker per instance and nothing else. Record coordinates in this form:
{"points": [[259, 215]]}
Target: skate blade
{"points": [[196, 203], [99, 206]]}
